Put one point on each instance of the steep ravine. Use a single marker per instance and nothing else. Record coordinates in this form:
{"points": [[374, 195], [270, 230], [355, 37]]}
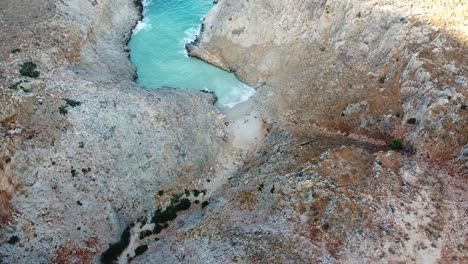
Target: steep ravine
{"points": [[94, 168]]}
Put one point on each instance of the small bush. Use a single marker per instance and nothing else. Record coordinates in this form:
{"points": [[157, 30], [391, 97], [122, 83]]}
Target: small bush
{"points": [[140, 250], [63, 110], [183, 205], [18, 85], [113, 252], [145, 233], [28, 69], [13, 240], [395, 144], [205, 204], [26, 90], [157, 229], [15, 86], [161, 217], [72, 103], [260, 187], [15, 50], [412, 121], [176, 198]]}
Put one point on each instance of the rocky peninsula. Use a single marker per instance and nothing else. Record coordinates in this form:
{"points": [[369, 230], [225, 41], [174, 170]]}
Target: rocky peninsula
{"points": [[354, 148]]}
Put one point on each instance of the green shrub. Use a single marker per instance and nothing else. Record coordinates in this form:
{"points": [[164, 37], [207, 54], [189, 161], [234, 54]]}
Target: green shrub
{"points": [[63, 110], [260, 187], [15, 50], [183, 205], [205, 204], [72, 103], [140, 250], [28, 69], [113, 252], [395, 144], [412, 121], [13, 240], [18, 85], [15, 86]]}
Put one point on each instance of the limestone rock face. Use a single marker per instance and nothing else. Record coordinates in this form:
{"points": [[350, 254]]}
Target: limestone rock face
{"points": [[312, 198], [338, 79], [83, 150], [381, 69], [95, 169]]}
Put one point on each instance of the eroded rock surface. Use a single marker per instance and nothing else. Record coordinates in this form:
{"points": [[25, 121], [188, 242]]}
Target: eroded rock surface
{"points": [[382, 69], [339, 79], [94, 169], [84, 151]]}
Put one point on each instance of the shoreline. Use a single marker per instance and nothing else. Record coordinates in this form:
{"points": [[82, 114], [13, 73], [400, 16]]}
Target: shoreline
{"points": [[139, 6], [243, 137], [223, 109]]}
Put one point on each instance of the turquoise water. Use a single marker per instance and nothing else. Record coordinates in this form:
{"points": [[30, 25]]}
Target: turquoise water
{"points": [[158, 50]]}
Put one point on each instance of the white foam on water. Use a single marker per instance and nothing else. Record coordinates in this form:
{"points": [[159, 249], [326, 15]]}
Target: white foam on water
{"points": [[236, 96], [190, 35], [144, 24], [160, 51]]}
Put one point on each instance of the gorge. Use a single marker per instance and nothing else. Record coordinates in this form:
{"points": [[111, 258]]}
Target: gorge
{"points": [[96, 169]]}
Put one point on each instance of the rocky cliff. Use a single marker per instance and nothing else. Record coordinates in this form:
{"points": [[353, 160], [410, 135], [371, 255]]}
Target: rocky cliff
{"points": [[95, 169], [379, 69], [84, 152], [339, 80]]}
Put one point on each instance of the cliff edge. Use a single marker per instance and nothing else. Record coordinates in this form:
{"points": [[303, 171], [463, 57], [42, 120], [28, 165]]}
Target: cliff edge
{"points": [[84, 152]]}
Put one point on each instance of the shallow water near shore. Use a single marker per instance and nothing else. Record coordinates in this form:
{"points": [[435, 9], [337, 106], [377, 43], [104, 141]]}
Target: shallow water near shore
{"points": [[158, 50]]}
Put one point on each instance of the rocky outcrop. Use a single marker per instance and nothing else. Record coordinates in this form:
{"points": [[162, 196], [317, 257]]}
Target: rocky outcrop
{"points": [[380, 69], [84, 152], [338, 80], [325, 199]]}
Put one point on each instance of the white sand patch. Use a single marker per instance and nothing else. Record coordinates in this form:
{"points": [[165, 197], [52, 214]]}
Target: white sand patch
{"points": [[246, 127]]}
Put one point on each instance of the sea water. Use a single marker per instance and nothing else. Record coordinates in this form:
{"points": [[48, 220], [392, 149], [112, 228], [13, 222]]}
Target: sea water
{"points": [[158, 51]]}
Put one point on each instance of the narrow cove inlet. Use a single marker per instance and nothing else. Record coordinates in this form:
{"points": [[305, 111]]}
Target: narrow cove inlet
{"points": [[158, 51]]}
